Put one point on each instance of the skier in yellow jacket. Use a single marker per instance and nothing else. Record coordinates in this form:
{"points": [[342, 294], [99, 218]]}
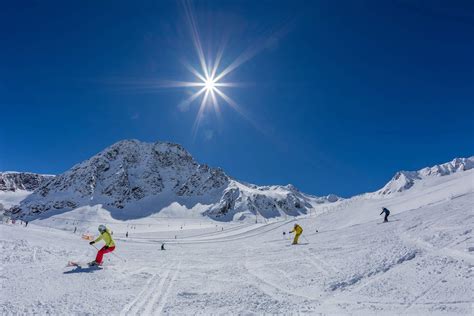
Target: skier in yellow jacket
{"points": [[298, 230], [106, 236]]}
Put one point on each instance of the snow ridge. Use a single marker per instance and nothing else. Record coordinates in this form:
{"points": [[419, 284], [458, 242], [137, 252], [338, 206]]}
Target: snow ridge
{"points": [[404, 180]]}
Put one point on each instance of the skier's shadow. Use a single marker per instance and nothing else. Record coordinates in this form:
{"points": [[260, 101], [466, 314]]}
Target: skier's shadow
{"points": [[82, 270]]}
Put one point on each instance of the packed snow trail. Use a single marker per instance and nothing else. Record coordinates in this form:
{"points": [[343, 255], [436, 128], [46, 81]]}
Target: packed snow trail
{"points": [[419, 263]]}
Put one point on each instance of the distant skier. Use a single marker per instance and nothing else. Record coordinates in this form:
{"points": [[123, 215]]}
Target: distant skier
{"points": [[163, 247], [26, 223], [106, 236], [387, 213], [298, 230], [126, 235]]}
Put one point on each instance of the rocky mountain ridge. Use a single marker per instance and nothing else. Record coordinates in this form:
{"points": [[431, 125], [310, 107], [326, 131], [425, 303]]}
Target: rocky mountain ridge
{"points": [[129, 173], [11, 181]]}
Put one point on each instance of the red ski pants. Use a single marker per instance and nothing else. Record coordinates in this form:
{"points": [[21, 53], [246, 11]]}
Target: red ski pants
{"points": [[101, 253]]}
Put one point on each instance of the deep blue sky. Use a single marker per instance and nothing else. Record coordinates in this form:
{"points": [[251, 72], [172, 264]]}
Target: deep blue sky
{"points": [[345, 93]]}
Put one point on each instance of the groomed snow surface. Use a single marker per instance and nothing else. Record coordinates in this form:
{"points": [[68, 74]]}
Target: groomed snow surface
{"points": [[420, 263]]}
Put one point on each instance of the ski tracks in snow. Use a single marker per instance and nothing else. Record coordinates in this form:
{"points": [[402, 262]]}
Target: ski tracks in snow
{"points": [[162, 299], [275, 291], [422, 294], [320, 264], [445, 251], [153, 297]]}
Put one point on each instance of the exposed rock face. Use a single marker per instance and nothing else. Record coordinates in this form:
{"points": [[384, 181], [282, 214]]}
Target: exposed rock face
{"points": [[130, 172], [266, 201], [13, 181]]}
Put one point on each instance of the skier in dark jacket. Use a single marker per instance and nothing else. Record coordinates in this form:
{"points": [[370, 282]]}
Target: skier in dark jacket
{"points": [[387, 213]]}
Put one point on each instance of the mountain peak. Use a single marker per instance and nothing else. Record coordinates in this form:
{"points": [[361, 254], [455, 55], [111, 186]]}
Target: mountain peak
{"points": [[131, 145]]}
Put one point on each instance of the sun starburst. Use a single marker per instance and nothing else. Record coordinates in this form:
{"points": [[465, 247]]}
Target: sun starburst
{"points": [[209, 80], [210, 76], [209, 85]]}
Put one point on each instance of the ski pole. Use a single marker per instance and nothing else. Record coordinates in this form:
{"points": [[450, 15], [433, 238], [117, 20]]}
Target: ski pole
{"points": [[305, 239], [111, 253]]}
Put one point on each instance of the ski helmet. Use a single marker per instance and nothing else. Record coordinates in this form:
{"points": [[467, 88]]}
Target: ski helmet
{"points": [[102, 228]]}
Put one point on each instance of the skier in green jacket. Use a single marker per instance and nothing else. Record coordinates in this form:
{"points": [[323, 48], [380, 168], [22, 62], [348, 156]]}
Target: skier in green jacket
{"points": [[106, 236]]}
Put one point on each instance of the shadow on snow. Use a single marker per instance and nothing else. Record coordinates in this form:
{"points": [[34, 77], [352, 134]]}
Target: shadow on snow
{"points": [[82, 270]]}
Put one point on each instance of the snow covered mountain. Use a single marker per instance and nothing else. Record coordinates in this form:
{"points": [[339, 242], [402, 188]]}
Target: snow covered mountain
{"points": [[404, 180], [14, 181], [134, 179]]}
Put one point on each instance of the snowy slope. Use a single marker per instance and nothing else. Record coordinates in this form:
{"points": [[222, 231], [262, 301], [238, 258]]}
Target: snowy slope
{"points": [[420, 263], [133, 179]]}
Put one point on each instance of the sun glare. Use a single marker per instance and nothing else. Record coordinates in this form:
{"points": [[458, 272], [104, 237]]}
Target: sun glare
{"points": [[209, 76], [209, 84]]}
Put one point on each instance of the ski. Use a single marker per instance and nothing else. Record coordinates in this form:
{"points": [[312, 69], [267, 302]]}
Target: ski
{"points": [[299, 244], [77, 264], [81, 264]]}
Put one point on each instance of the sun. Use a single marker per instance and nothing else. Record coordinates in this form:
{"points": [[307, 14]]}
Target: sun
{"points": [[210, 84]]}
